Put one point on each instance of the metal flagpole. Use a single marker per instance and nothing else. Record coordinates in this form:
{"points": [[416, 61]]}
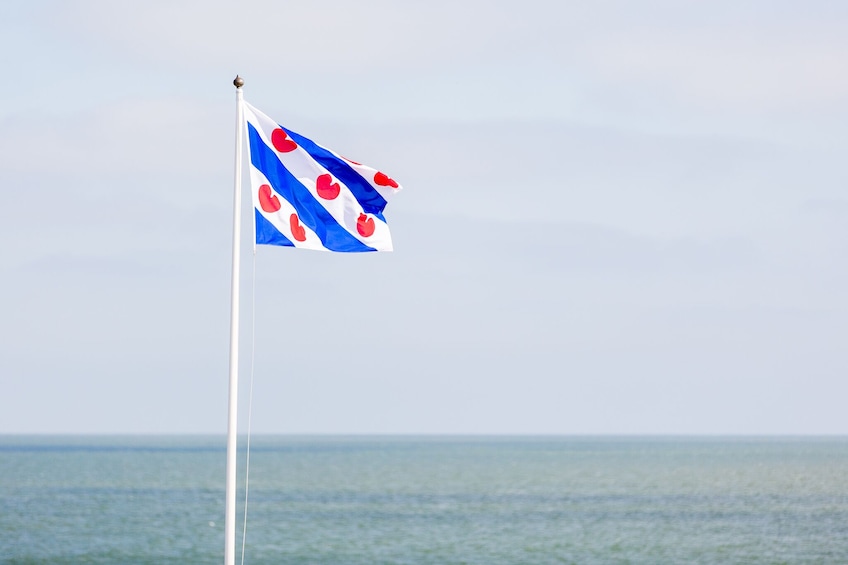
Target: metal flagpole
{"points": [[232, 421]]}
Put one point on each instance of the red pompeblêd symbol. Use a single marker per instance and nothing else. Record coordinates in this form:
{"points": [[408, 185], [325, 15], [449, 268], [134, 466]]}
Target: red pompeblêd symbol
{"points": [[327, 189], [365, 225], [383, 180], [281, 142], [268, 202], [298, 231]]}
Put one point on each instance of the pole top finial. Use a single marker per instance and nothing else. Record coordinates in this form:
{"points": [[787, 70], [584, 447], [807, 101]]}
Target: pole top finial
{"points": [[238, 82]]}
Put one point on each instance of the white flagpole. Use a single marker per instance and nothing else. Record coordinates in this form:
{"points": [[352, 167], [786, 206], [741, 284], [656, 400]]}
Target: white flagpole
{"points": [[232, 422]]}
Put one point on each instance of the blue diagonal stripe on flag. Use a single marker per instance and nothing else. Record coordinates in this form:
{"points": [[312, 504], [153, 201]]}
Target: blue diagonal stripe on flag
{"points": [[365, 194], [309, 197], [267, 234], [309, 210]]}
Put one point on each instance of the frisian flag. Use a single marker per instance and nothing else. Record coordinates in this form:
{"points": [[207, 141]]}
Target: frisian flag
{"points": [[310, 197]]}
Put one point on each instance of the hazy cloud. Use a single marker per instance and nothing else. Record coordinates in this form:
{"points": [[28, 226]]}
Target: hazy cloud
{"points": [[618, 217]]}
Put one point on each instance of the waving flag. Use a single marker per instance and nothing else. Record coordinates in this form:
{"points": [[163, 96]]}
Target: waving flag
{"points": [[309, 197]]}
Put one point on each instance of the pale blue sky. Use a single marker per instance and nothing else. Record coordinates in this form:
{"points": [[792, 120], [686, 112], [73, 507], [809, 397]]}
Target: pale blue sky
{"points": [[618, 217]]}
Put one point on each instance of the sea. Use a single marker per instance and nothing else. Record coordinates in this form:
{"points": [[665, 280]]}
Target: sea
{"points": [[426, 500]]}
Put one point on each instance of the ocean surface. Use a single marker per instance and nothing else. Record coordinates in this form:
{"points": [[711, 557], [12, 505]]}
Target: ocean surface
{"points": [[435, 500]]}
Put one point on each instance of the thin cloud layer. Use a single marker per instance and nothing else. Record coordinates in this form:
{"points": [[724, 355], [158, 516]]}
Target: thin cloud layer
{"points": [[757, 57], [618, 217]]}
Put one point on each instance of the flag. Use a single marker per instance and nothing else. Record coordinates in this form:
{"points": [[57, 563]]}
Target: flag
{"points": [[310, 197]]}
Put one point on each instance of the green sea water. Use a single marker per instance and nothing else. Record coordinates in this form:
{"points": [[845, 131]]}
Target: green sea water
{"points": [[434, 500]]}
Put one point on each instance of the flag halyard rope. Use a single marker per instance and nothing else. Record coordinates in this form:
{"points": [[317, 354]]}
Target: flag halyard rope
{"points": [[249, 402]]}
